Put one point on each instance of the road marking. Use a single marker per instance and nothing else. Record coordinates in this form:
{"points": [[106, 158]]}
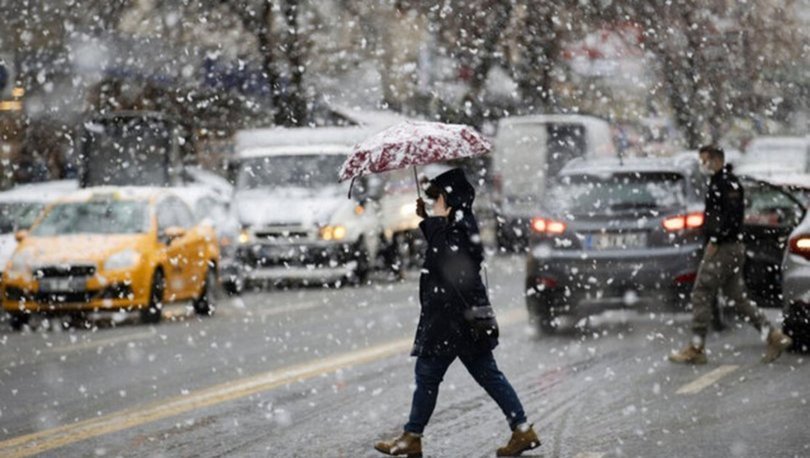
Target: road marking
{"points": [[102, 342], [42, 441], [589, 455], [707, 379]]}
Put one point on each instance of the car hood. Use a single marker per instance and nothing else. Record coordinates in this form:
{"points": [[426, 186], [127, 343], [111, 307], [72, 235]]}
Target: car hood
{"points": [[293, 208], [69, 249]]}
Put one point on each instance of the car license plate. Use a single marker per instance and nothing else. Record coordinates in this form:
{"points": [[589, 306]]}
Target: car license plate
{"points": [[615, 241], [63, 285]]}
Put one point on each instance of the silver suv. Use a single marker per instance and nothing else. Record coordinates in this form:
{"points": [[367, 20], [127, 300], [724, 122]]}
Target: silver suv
{"points": [[628, 234]]}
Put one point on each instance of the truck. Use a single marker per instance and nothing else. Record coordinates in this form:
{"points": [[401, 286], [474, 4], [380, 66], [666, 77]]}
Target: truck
{"points": [[528, 151]]}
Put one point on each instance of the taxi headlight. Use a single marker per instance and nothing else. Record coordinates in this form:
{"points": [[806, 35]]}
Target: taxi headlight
{"points": [[20, 264], [244, 237], [122, 260]]}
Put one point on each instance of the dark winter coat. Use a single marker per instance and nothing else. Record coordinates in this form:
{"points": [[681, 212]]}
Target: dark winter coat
{"points": [[450, 282], [725, 207]]}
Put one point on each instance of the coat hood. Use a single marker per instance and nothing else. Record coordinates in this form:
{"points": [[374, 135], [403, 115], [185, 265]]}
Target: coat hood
{"points": [[458, 192], [459, 195]]}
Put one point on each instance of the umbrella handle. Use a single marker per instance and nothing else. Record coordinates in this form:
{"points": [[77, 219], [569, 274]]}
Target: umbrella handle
{"points": [[416, 179]]}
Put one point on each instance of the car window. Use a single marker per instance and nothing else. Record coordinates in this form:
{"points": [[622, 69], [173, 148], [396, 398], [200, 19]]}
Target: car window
{"points": [[769, 206], [182, 214], [165, 216], [618, 192], [208, 207]]}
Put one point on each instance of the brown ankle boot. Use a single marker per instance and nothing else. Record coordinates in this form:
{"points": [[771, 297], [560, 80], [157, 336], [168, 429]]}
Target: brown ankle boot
{"points": [[520, 442], [777, 343], [690, 354], [407, 444]]}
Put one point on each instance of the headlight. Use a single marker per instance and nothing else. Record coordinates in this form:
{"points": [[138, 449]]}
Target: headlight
{"points": [[407, 210], [20, 264], [244, 237], [333, 232], [122, 260]]}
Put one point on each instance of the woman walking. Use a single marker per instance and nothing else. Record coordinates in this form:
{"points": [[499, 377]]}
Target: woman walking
{"points": [[449, 286]]}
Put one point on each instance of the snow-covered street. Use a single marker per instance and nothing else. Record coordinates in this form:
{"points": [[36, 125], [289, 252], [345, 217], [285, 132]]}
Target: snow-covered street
{"points": [[314, 372]]}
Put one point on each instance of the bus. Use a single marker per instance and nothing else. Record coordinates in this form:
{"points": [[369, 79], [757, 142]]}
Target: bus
{"points": [[133, 148]]}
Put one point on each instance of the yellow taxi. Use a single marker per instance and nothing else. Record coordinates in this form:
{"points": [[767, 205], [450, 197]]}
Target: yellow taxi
{"points": [[103, 249]]}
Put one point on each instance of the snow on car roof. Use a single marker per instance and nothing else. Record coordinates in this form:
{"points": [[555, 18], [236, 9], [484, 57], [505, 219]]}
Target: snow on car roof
{"points": [[633, 164], [117, 192], [558, 118], [779, 142], [799, 180], [301, 136], [39, 192], [191, 194], [293, 150]]}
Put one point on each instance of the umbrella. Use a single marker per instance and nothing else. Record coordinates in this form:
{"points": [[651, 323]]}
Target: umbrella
{"points": [[412, 143]]}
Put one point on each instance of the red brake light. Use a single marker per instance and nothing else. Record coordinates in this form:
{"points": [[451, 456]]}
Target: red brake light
{"points": [[674, 223], [548, 226], [800, 245], [695, 220], [681, 222], [555, 227]]}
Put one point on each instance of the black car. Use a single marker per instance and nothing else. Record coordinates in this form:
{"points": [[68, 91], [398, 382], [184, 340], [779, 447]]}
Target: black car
{"points": [[627, 233]]}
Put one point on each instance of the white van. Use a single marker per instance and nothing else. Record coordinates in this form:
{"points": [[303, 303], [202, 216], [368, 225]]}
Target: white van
{"points": [[298, 222], [528, 150]]}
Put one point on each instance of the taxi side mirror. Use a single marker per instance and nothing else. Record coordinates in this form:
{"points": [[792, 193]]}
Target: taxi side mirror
{"points": [[19, 236], [173, 232]]}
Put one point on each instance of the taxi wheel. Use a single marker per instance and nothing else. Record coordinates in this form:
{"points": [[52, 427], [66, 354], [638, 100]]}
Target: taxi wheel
{"points": [[204, 305], [18, 320], [154, 313]]}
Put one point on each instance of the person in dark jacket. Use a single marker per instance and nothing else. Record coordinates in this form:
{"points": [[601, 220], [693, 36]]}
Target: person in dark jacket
{"points": [[450, 285], [723, 261]]}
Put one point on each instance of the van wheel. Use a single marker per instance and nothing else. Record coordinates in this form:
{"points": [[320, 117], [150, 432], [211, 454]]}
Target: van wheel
{"points": [[154, 312], [18, 320], [204, 305]]}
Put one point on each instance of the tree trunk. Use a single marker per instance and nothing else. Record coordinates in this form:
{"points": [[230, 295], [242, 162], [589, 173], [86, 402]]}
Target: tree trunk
{"points": [[541, 50], [492, 35], [294, 108]]}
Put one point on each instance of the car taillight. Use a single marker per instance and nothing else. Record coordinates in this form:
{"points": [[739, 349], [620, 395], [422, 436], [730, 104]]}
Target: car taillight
{"points": [[681, 222], [548, 226], [800, 245]]}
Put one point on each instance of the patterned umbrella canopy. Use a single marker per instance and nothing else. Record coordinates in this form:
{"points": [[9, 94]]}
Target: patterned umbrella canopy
{"points": [[413, 143]]}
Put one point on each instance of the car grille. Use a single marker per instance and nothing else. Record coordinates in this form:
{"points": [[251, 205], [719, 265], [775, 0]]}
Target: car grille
{"points": [[281, 235], [65, 271], [64, 298], [293, 256]]}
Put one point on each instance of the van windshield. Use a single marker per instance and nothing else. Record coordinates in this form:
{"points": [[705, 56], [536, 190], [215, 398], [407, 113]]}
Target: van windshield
{"points": [[307, 171], [617, 193]]}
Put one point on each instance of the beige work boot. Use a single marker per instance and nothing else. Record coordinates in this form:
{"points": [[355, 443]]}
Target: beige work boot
{"points": [[407, 444], [691, 354], [521, 440], [777, 343]]}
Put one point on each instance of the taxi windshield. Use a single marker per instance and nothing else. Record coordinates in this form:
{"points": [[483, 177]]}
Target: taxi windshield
{"points": [[94, 217]]}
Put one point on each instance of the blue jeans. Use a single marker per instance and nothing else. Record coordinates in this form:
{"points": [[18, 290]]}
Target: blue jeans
{"points": [[430, 372]]}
